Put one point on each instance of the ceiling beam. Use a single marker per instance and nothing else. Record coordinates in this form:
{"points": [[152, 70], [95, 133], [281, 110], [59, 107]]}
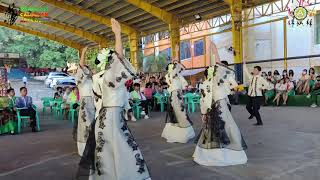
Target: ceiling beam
{"points": [[61, 40], [79, 32], [83, 34], [82, 12], [161, 14]]}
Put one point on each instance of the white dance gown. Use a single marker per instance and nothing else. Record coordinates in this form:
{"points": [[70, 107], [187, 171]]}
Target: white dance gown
{"points": [[117, 155], [220, 142], [87, 109], [178, 128]]}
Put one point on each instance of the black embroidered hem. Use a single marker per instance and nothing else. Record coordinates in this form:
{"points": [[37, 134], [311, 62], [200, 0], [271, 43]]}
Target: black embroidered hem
{"points": [[87, 163], [132, 143], [213, 135]]}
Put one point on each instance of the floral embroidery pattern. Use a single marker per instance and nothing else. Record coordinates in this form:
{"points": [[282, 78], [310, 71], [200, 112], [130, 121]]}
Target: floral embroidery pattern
{"points": [[123, 74], [132, 143], [83, 114], [101, 124], [111, 84], [98, 165], [140, 162], [118, 79], [100, 142], [86, 132]]}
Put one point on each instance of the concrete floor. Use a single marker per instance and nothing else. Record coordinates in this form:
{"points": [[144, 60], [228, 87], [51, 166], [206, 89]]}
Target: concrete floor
{"points": [[287, 147]]}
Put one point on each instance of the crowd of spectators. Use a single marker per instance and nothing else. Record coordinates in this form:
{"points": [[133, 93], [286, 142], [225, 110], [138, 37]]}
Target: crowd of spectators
{"points": [[281, 86]]}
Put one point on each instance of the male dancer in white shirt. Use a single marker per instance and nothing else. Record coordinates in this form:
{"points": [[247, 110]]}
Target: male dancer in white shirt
{"points": [[256, 84]]}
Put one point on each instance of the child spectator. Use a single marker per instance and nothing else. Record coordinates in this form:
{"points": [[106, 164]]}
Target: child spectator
{"points": [[276, 76], [269, 77], [136, 95], [310, 82], [269, 93], [315, 91], [302, 82], [284, 89]]}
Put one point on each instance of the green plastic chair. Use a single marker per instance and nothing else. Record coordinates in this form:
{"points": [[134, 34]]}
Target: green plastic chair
{"points": [[23, 119], [57, 108], [195, 101], [46, 103], [162, 100], [136, 109], [72, 112]]}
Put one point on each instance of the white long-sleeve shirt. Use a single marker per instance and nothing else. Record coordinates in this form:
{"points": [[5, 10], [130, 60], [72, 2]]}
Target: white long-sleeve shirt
{"points": [[256, 84]]}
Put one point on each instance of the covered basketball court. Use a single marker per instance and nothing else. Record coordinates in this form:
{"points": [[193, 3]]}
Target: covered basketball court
{"points": [[286, 148]]}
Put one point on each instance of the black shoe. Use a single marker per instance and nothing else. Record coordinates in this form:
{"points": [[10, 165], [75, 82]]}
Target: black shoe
{"points": [[258, 124], [34, 129], [251, 117]]}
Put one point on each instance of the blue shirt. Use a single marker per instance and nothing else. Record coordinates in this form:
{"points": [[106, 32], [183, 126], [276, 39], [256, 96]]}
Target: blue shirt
{"points": [[24, 102]]}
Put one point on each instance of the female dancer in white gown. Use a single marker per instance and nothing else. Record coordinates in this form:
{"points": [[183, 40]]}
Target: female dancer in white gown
{"points": [[179, 127], [115, 152], [220, 142], [87, 110]]}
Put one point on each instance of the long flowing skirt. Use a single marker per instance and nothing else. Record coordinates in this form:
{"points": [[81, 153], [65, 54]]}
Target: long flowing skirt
{"points": [[85, 118], [220, 142], [178, 126], [117, 154]]}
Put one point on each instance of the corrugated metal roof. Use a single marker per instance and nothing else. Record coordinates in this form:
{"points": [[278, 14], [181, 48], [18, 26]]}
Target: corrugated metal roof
{"points": [[122, 11]]}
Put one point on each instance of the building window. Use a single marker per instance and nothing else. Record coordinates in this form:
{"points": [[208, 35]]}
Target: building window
{"points": [[317, 29], [185, 51], [167, 53], [198, 47]]}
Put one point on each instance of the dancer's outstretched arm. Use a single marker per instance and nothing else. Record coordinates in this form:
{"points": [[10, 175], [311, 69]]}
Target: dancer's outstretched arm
{"points": [[245, 69], [116, 28], [215, 52], [82, 62]]}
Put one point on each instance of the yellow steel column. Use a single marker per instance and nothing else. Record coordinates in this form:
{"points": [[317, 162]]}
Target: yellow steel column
{"points": [[133, 40], [174, 31], [285, 47], [236, 13], [236, 22]]}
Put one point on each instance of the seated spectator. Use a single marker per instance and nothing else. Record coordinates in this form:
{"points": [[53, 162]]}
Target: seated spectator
{"points": [[158, 89], [264, 75], [269, 77], [73, 100], [279, 91], [269, 93], [291, 77], [74, 97], [148, 91], [310, 82], [25, 102], [284, 74], [302, 82], [276, 77], [12, 100], [7, 123], [60, 91], [315, 91], [152, 80], [284, 89], [66, 94], [137, 95], [56, 96]]}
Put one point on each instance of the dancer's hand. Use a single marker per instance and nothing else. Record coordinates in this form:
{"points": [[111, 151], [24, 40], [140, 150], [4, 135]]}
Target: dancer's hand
{"points": [[116, 28], [84, 50]]}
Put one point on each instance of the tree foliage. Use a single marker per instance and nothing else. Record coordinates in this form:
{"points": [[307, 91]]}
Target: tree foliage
{"points": [[39, 52]]}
